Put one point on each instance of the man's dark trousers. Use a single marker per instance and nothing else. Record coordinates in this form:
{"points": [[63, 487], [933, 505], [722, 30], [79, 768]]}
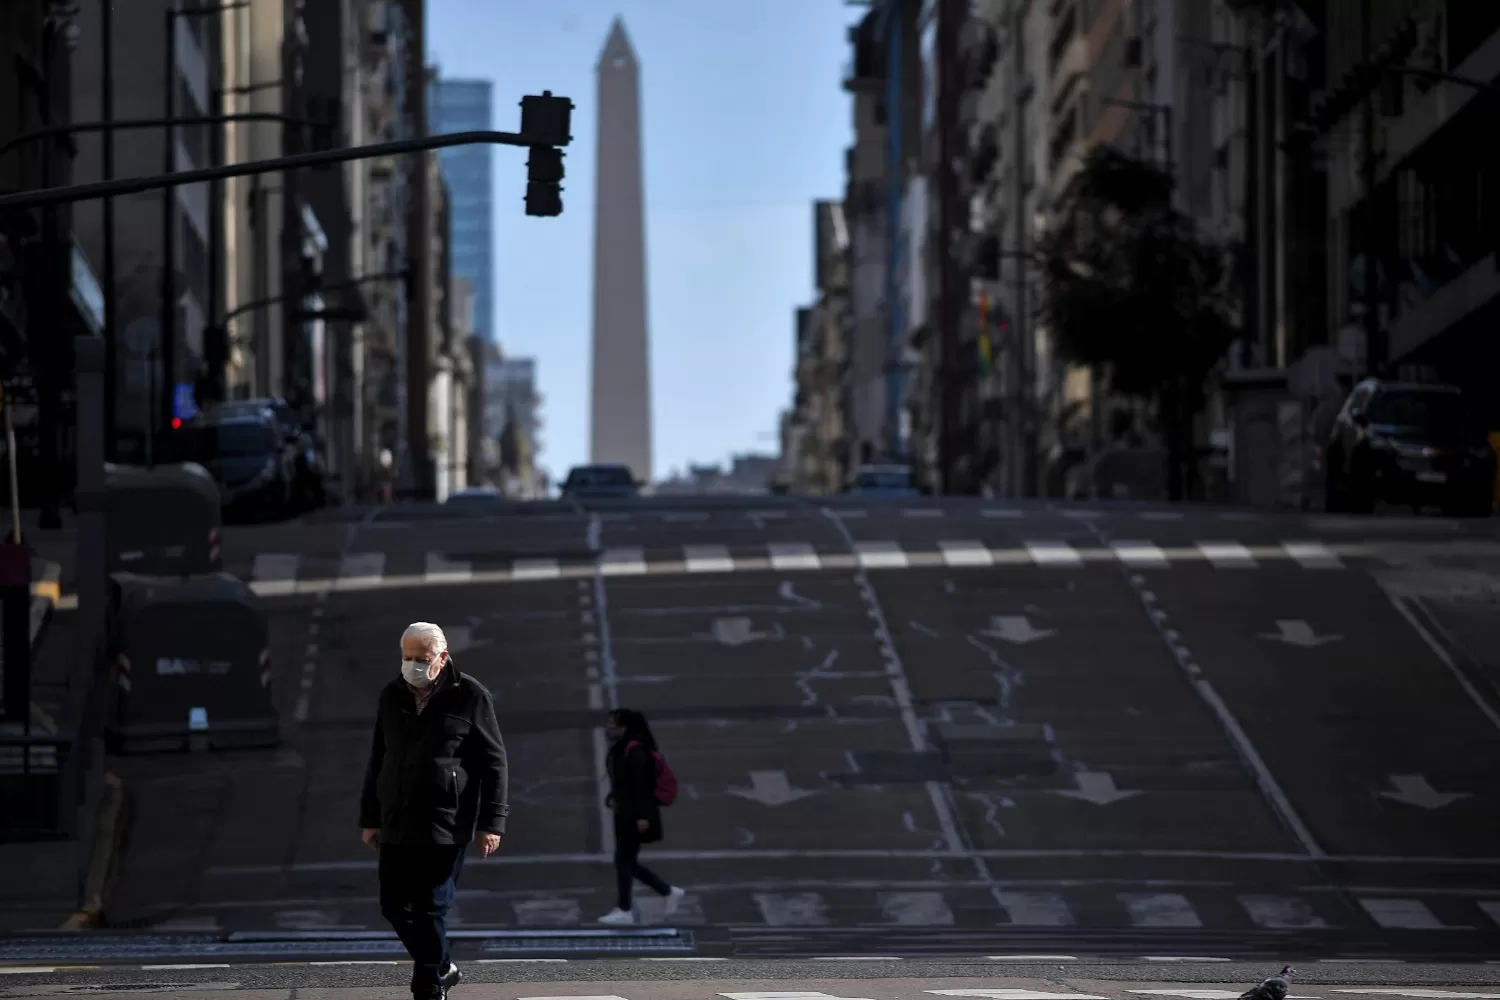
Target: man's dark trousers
{"points": [[417, 883]]}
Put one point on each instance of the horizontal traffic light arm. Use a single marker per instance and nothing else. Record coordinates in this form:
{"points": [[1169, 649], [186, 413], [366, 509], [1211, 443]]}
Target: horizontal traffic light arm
{"points": [[183, 121], [135, 185]]}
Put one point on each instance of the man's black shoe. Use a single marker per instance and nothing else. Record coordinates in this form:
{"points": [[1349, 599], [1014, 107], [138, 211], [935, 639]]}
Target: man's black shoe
{"points": [[451, 977]]}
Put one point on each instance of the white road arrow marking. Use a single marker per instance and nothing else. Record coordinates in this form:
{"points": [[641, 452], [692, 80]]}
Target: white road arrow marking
{"points": [[771, 788], [1096, 787], [1296, 632], [1416, 790], [1017, 629], [735, 631]]}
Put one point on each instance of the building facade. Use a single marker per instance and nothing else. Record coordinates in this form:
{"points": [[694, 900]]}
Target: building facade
{"points": [[467, 106]]}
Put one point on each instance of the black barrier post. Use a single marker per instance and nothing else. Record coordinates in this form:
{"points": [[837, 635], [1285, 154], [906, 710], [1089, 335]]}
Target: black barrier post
{"points": [[15, 620]]}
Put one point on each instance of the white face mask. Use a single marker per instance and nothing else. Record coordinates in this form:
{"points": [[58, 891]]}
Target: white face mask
{"points": [[415, 672]]}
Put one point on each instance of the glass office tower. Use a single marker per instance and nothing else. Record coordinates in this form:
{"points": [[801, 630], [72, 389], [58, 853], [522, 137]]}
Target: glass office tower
{"points": [[466, 106]]}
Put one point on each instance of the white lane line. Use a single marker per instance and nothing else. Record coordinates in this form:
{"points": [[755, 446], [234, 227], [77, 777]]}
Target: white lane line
{"points": [[604, 692], [184, 966], [1139, 555], [1438, 650], [442, 570], [708, 559], [1035, 909], [361, 568], [966, 553], [623, 562], [792, 909], [923, 512], [273, 567], [920, 909], [998, 512], [1161, 515], [1059, 554], [900, 684], [1402, 914], [685, 517], [879, 555], [1281, 912], [535, 569], [1159, 909], [1031, 958], [1312, 555], [793, 556], [1226, 555]]}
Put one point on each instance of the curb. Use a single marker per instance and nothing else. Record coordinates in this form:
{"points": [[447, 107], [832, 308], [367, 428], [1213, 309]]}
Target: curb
{"points": [[108, 830]]}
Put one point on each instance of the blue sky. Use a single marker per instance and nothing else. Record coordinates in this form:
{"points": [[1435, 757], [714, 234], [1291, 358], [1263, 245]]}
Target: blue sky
{"points": [[745, 124]]}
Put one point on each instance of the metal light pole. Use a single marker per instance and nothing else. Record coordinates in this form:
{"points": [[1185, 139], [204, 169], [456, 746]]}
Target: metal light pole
{"points": [[168, 323], [169, 209], [111, 331]]}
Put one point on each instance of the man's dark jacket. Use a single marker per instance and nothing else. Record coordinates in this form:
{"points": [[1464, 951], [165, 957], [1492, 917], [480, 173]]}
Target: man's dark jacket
{"points": [[437, 776]]}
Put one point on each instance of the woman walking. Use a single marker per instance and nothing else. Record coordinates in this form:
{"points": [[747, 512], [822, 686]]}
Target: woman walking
{"points": [[636, 794]]}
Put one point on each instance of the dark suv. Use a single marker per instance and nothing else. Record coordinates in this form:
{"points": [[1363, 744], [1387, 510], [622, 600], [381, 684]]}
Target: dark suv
{"points": [[1408, 443], [248, 457]]}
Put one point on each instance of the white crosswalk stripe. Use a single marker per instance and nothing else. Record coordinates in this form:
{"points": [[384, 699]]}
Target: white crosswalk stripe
{"points": [[554, 911], [879, 555], [275, 567], [1140, 555], [708, 559], [1227, 555], [1401, 914], [966, 553], [439, 569], [362, 567], [793, 556], [921, 909], [1059, 554], [792, 909], [1281, 912], [1312, 555], [623, 562], [535, 569], [1159, 909], [1036, 909], [285, 573]]}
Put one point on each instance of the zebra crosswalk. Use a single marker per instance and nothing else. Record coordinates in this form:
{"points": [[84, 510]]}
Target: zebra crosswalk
{"points": [[1074, 909], [281, 572]]}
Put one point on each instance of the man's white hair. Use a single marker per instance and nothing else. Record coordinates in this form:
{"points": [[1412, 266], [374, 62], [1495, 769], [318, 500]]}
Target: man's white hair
{"points": [[430, 634]]}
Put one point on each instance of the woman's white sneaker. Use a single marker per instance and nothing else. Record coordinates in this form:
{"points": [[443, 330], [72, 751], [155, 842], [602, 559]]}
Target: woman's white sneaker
{"points": [[618, 918], [674, 899]]}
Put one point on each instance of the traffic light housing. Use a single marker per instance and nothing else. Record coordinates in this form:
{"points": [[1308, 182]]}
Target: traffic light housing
{"points": [[547, 120], [544, 172]]}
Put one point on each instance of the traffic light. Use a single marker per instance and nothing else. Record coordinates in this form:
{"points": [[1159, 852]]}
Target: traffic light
{"points": [[544, 171], [547, 120]]}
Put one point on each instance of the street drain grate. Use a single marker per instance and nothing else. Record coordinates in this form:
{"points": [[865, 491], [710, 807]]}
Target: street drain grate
{"points": [[618, 942]]}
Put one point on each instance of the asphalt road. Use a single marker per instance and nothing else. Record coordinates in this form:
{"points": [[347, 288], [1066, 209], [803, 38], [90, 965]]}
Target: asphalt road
{"points": [[1007, 979], [924, 728]]}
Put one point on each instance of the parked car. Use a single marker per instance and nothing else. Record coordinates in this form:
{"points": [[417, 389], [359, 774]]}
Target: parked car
{"points": [[1408, 443], [600, 482], [309, 484], [475, 496], [884, 481], [248, 456]]}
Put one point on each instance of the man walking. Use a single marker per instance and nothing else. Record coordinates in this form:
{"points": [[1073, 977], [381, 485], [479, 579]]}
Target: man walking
{"points": [[436, 780]]}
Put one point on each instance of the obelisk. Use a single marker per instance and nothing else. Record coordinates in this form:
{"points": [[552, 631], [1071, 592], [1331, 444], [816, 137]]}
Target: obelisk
{"points": [[620, 417]]}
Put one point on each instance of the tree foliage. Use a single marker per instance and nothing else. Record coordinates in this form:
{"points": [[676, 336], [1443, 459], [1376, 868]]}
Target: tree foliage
{"points": [[1131, 286]]}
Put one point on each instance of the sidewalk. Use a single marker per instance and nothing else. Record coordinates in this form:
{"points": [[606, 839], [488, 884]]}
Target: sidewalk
{"points": [[52, 884]]}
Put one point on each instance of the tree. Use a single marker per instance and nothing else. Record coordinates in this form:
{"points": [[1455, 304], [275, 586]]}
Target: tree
{"points": [[1132, 289]]}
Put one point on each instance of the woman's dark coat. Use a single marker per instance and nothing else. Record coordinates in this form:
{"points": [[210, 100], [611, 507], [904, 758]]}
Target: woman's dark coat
{"points": [[632, 789]]}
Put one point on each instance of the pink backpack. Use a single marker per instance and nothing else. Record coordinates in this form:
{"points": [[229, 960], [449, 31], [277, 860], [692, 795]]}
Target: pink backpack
{"points": [[666, 781]]}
